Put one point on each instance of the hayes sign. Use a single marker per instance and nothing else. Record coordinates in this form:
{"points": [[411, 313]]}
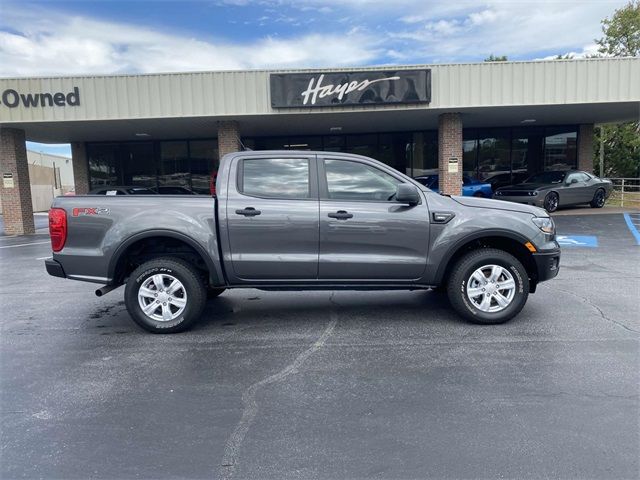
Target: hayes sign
{"points": [[326, 89], [12, 98]]}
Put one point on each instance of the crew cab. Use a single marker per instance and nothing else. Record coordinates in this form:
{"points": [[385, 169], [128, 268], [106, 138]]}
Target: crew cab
{"points": [[300, 220]]}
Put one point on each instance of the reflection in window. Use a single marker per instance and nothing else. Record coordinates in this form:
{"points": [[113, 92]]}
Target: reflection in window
{"points": [[356, 181], [366, 145], [102, 164], [470, 153], [493, 153], [204, 161], [396, 150], [425, 154], [276, 178], [560, 148], [138, 164], [174, 164]]}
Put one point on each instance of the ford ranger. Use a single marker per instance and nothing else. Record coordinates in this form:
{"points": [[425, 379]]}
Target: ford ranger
{"points": [[300, 220]]}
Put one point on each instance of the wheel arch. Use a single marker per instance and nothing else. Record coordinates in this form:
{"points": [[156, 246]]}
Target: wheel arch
{"points": [[118, 267], [511, 242]]}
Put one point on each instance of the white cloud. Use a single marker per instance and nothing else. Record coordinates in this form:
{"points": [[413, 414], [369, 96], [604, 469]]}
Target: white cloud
{"points": [[517, 29], [56, 44]]}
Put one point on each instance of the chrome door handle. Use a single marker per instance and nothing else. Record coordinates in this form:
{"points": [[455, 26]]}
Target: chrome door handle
{"points": [[248, 212], [341, 215]]}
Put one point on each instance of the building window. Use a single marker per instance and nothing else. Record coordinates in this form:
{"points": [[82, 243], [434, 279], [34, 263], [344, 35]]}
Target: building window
{"points": [[560, 148], [396, 150], [138, 165], [494, 152], [424, 156], [103, 165], [203, 155], [174, 165], [470, 152]]}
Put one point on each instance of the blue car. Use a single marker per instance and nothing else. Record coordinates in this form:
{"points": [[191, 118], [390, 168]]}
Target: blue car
{"points": [[471, 187]]}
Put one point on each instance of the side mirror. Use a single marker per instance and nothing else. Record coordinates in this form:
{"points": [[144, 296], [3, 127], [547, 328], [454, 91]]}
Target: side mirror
{"points": [[573, 180], [406, 193]]}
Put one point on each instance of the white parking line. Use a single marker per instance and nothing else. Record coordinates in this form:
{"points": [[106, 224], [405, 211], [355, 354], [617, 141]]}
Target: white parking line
{"points": [[44, 258], [24, 244]]}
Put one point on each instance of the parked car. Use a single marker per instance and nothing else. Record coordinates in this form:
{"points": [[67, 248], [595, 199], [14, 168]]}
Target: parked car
{"points": [[471, 187], [122, 190], [303, 220], [174, 190], [554, 189]]}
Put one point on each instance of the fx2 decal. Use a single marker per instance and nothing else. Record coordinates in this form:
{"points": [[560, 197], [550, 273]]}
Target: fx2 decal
{"points": [[81, 212]]}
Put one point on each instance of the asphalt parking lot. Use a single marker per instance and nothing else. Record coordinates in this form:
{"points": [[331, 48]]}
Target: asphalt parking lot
{"points": [[327, 384]]}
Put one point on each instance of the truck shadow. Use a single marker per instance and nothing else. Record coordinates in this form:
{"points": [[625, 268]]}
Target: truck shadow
{"points": [[252, 307]]}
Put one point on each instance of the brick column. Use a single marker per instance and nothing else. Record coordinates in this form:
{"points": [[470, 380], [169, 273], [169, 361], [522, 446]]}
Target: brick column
{"points": [[80, 168], [450, 146], [585, 148], [17, 208], [228, 138]]}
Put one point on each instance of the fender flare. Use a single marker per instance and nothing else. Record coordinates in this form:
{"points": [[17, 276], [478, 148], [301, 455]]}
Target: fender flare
{"points": [[122, 248], [491, 232]]}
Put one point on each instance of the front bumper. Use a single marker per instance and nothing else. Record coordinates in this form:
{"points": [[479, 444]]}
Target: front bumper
{"points": [[547, 264], [535, 200], [54, 268]]}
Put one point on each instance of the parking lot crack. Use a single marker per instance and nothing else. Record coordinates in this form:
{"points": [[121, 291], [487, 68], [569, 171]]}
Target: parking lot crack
{"points": [[597, 309], [250, 410]]}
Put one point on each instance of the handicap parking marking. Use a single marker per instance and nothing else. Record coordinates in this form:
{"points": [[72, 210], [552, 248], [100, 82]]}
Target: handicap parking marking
{"points": [[633, 223], [577, 241]]}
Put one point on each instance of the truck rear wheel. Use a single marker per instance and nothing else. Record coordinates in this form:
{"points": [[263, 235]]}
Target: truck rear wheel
{"points": [[488, 286], [165, 295]]}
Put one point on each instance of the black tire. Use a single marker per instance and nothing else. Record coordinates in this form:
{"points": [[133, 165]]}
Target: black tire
{"points": [[192, 289], [598, 199], [213, 292], [551, 202], [461, 276], [479, 194]]}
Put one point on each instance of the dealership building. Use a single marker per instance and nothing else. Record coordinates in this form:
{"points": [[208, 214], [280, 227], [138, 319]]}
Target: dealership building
{"points": [[479, 119]]}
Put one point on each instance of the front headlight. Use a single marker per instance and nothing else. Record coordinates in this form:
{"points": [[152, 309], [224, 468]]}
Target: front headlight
{"points": [[545, 224]]}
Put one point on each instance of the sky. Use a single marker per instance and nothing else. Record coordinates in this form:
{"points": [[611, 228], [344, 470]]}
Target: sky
{"points": [[43, 38]]}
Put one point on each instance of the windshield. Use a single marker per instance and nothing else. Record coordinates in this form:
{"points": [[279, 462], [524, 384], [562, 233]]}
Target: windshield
{"points": [[547, 177]]}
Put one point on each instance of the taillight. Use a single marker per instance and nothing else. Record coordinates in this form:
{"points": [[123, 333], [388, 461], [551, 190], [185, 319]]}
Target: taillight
{"points": [[57, 228]]}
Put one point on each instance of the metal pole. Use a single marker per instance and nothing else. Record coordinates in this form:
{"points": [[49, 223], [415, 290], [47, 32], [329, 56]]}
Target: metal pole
{"points": [[622, 196], [601, 151]]}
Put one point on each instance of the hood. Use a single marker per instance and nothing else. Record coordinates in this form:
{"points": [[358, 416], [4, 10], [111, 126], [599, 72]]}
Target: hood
{"points": [[477, 202], [528, 187]]}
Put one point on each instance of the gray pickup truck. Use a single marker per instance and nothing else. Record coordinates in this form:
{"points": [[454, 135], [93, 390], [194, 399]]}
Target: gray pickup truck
{"points": [[289, 220]]}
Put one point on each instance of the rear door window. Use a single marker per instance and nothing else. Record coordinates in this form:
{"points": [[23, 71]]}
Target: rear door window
{"points": [[286, 178]]}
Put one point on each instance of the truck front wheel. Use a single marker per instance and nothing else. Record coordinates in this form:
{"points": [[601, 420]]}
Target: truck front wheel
{"points": [[165, 295], [488, 286]]}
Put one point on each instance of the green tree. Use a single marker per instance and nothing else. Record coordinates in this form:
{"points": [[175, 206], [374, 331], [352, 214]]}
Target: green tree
{"points": [[493, 58], [621, 32], [621, 38], [621, 149]]}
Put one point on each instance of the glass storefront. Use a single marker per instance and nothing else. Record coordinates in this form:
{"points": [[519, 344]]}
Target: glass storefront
{"points": [[187, 164], [497, 154]]}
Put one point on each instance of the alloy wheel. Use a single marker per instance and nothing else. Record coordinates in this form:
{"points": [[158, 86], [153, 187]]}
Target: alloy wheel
{"points": [[162, 297], [491, 288]]}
